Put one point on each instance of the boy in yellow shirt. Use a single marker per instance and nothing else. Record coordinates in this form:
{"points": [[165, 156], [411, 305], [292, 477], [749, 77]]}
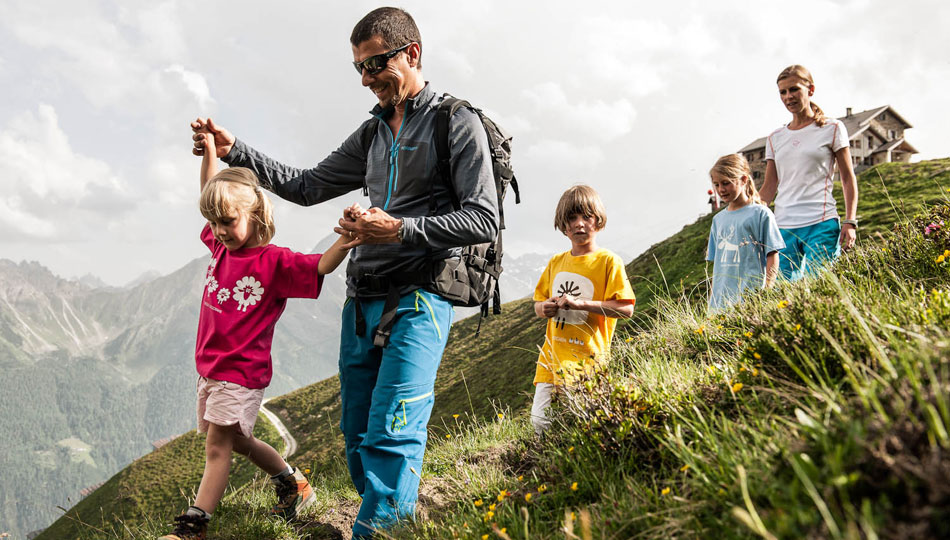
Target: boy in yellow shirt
{"points": [[582, 292]]}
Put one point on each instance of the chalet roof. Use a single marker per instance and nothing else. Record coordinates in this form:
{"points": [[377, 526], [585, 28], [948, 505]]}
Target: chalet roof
{"points": [[856, 124], [754, 145], [896, 143]]}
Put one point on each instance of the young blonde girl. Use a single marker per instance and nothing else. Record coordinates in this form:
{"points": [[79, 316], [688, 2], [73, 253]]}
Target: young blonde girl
{"points": [[246, 287], [744, 239]]}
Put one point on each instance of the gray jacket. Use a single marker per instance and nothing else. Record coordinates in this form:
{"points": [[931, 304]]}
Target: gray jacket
{"points": [[400, 172]]}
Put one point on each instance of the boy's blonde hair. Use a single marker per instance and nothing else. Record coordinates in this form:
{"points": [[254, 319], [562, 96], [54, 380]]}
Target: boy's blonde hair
{"points": [[803, 75], [234, 190], [580, 199], [734, 167]]}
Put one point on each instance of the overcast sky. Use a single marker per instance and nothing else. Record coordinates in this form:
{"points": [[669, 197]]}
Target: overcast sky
{"points": [[637, 99]]}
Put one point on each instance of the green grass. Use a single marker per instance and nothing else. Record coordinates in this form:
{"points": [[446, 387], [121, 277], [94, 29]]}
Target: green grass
{"points": [[154, 488], [819, 410]]}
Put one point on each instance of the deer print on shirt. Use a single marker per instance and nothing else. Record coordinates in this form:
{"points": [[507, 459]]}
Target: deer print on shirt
{"points": [[727, 246]]}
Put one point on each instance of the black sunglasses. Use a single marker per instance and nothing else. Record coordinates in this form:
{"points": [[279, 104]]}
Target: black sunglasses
{"points": [[376, 63]]}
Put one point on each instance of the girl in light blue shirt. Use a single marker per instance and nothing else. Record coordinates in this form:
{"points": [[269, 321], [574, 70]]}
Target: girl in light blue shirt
{"points": [[744, 239]]}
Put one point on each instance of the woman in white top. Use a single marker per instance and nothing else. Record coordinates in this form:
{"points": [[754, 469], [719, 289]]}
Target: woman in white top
{"points": [[800, 165]]}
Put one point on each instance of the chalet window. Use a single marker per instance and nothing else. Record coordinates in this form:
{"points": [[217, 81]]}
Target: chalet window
{"points": [[893, 134], [857, 143], [883, 116], [870, 143]]}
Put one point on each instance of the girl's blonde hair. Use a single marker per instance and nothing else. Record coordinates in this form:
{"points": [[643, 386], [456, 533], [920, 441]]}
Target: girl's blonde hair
{"points": [[734, 167], [580, 199], [803, 75], [234, 190]]}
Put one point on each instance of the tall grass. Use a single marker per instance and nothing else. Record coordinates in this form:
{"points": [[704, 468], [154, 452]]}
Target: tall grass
{"points": [[817, 409]]}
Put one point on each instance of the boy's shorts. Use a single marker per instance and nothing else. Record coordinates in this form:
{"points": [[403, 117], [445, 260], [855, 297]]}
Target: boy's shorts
{"points": [[226, 403]]}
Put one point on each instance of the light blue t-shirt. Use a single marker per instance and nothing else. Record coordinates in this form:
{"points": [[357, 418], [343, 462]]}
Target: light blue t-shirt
{"points": [[739, 241]]}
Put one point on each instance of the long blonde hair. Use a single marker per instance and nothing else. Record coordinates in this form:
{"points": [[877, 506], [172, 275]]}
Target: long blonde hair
{"points": [[804, 75], [237, 189], [734, 167]]}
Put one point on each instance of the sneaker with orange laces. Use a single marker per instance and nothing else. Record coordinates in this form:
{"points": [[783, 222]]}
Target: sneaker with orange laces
{"points": [[294, 494], [188, 527]]}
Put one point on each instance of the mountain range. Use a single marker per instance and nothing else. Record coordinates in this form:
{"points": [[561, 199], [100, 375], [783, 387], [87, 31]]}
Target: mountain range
{"points": [[93, 375]]}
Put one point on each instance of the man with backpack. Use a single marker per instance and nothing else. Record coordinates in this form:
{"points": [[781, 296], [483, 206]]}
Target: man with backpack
{"points": [[407, 268]]}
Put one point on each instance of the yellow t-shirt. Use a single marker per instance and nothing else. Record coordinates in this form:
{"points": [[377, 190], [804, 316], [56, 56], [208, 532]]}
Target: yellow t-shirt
{"points": [[576, 338]]}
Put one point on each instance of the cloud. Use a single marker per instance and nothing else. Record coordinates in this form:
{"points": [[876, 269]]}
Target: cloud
{"points": [[592, 119], [195, 83], [48, 191]]}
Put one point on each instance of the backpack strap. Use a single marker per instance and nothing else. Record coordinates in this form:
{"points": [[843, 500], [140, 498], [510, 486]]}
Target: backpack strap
{"points": [[366, 137], [443, 167]]}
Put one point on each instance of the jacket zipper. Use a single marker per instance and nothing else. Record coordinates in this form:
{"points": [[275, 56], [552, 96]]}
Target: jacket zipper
{"points": [[393, 160]]}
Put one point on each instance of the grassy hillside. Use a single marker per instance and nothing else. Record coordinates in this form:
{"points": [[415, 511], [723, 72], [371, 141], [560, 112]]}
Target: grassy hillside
{"points": [[154, 487], [818, 410]]}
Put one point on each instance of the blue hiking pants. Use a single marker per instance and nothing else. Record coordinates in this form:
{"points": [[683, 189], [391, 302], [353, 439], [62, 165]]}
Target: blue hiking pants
{"points": [[387, 397], [808, 249]]}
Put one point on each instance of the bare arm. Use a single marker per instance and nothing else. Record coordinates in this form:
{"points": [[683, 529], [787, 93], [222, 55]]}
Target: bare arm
{"points": [[770, 184], [619, 309], [849, 188], [332, 257], [771, 269], [209, 161]]}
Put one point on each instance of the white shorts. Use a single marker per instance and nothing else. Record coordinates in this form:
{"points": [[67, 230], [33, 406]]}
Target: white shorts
{"points": [[539, 408], [224, 403]]}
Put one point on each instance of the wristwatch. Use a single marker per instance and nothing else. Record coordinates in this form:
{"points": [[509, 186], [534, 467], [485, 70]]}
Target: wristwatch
{"points": [[401, 230], [852, 222]]}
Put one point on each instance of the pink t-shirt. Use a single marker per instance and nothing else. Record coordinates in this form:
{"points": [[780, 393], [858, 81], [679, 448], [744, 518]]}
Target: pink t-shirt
{"points": [[245, 292]]}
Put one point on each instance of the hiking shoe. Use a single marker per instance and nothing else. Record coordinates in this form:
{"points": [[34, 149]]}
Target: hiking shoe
{"points": [[294, 494], [188, 527]]}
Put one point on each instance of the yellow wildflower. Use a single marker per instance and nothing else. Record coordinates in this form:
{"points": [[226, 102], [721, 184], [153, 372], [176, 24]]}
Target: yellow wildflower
{"points": [[700, 329], [783, 304], [455, 416], [628, 340], [798, 327], [748, 334], [306, 471], [504, 530], [684, 468], [489, 514], [757, 356], [571, 449], [478, 502], [574, 486], [520, 477], [491, 507], [500, 415], [448, 435], [755, 372], [940, 258], [527, 497], [742, 369], [711, 370], [736, 387], [946, 253], [484, 537], [502, 495], [542, 488], [666, 491]]}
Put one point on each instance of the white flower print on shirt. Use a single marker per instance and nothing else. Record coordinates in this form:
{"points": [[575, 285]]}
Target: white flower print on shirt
{"points": [[209, 274], [247, 292], [223, 294], [212, 285]]}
